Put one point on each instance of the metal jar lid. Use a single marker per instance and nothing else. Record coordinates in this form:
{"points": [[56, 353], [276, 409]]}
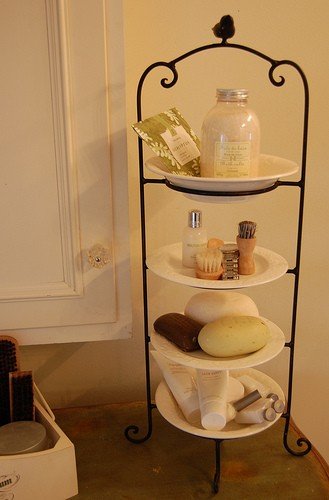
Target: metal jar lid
{"points": [[22, 437], [232, 94]]}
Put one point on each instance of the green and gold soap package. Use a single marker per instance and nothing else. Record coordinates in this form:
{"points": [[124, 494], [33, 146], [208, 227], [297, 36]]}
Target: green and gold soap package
{"points": [[171, 138]]}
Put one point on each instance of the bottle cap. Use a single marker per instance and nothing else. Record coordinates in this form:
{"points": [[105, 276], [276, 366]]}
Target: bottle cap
{"points": [[211, 418], [278, 406], [273, 396], [194, 218], [232, 94], [269, 414]]}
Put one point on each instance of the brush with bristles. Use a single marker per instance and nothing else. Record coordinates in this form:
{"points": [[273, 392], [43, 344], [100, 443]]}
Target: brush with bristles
{"points": [[247, 229], [9, 362], [209, 264], [9, 358], [21, 396], [4, 400], [246, 241]]}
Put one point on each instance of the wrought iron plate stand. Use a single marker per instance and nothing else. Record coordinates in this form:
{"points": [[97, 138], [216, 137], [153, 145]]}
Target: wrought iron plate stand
{"points": [[224, 30]]}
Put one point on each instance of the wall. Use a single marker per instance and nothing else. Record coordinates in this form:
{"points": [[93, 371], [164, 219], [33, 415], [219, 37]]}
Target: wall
{"points": [[161, 30]]}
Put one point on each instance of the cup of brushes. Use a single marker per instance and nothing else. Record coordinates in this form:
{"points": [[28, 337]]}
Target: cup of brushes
{"points": [[246, 242]]}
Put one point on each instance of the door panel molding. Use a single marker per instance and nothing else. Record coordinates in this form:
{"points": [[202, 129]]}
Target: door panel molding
{"points": [[61, 103], [57, 27]]}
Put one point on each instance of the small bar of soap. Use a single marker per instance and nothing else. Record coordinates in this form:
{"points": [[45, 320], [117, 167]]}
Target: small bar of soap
{"points": [[180, 330]]}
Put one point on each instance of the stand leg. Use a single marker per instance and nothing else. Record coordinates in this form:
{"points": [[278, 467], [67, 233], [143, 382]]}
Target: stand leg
{"points": [[134, 429], [300, 441], [215, 484]]}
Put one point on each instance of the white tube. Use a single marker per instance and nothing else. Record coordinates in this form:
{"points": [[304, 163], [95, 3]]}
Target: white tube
{"points": [[213, 389], [251, 384], [182, 386]]}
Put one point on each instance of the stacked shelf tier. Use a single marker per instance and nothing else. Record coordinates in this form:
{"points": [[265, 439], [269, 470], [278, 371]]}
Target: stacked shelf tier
{"points": [[166, 262], [169, 409], [201, 360]]}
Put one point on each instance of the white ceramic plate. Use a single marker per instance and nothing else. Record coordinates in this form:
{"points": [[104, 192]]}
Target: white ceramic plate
{"points": [[169, 409], [271, 168], [201, 360], [167, 263]]}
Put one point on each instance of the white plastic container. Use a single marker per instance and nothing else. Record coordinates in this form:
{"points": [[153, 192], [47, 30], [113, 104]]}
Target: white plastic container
{"points": [[182, 386], [257, 412], [194, 238], [44, 475], [213, 395], [230, 141]]}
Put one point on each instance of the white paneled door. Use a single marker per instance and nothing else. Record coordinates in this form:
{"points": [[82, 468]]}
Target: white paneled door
{"points": [[64, 270]]}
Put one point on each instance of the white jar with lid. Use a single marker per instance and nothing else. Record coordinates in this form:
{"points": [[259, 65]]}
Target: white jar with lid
{"points": [[230, 140]]}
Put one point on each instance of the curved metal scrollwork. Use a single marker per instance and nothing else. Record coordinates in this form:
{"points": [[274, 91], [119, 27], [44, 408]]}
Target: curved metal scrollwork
{"points": [[302, 441], [277, 83], [172, 66], [164, 82], [134, 429]]}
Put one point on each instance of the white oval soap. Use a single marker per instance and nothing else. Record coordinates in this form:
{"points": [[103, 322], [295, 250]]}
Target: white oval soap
{"points": [[206, 307], [233, 336]]}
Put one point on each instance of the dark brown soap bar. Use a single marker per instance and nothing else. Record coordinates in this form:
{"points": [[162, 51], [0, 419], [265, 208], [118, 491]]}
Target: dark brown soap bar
{"points": [[180, 330]]}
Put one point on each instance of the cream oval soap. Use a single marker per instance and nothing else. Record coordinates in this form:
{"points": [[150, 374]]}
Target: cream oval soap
{"points": [[233, 336], [206, 307]]}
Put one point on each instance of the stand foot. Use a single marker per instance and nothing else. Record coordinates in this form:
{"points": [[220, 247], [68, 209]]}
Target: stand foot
{"points": [[134, 429], [300, 441], [215, 483]]}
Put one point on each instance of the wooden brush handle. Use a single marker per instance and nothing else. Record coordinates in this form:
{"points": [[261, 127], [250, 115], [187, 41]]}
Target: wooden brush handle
{"points": [[246, 248]]}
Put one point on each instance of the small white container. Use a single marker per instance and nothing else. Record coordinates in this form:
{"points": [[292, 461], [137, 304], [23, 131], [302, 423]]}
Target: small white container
{"points": [[257, 412], [21, 437], [230, 141], [194, 238]]}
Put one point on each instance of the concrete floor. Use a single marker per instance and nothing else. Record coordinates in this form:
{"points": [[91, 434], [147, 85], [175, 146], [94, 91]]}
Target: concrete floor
{"points": [[176, 465]]}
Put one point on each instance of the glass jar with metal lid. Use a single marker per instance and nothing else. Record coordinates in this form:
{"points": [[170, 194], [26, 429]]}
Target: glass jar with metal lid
{"points": [[230, 140]]}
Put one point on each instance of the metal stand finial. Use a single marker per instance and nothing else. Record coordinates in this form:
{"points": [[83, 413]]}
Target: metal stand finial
{"points": [[225, 28]]}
